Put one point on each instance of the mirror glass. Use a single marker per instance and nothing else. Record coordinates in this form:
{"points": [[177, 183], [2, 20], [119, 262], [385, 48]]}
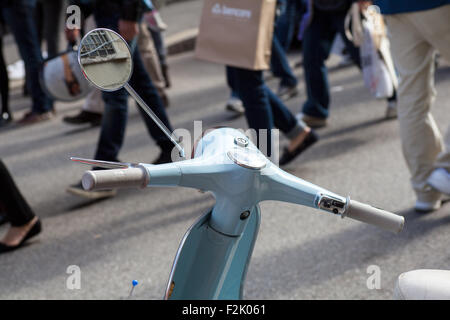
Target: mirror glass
{"points": [[105, 59]]}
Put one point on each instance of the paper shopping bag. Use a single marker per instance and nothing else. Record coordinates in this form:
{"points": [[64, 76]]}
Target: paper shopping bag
{"points": [[236, 33]]}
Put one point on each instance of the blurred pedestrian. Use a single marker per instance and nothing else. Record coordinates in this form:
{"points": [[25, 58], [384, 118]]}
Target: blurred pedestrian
{"points": [[327, 20], [151, 61], [280, 67], [265, 111], [156, 26], [417, 29], [122, 16], [19, 16], [6, 115], [288, 21], [282, 36], [24, 223]]}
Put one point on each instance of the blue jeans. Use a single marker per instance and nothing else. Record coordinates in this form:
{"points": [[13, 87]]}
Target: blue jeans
{"points": [[263, 109], [116, 105], [19, 15], [317, 42], [279, 64], [287, 22]]}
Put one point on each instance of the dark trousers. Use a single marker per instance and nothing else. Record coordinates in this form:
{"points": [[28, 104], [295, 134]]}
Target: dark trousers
{"points": [[287, 22], [116, 105], [4, 82], [19, 16], [17, 210], [48, 15], [317, 42], [279, 64], [263, 109]]}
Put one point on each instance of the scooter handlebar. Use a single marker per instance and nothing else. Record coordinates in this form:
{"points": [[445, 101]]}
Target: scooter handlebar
{"points": [[378, 217], [115, 178]]}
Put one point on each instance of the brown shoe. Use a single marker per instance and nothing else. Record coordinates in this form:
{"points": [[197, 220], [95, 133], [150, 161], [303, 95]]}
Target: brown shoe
{"points": [[32, 117], [314, 122]]}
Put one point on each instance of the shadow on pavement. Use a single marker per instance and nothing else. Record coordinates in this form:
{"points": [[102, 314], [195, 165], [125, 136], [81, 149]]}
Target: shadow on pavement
{"points": [[331, 256]]}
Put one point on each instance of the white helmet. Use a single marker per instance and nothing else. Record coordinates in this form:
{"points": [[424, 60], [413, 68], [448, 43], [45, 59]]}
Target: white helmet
{"points": [[62, 78]]}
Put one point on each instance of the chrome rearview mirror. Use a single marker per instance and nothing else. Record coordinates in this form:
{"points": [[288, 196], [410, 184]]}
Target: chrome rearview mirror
{"points": [[106, 61]]}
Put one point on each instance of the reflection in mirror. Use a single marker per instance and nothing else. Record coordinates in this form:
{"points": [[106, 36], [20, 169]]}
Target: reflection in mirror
{"points": [[105, 59]]}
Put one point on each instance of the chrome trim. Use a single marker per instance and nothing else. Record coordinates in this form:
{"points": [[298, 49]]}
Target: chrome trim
{"points": [[331, 204]]}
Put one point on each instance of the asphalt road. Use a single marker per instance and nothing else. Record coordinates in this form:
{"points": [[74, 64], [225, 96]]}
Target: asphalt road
{"points": [[300, 253]]}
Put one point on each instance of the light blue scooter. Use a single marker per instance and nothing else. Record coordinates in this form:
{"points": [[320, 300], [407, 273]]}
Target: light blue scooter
{"points": [[214, 254]]}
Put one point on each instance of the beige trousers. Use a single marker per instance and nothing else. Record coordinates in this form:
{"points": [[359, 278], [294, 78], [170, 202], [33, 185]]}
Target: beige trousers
{"points": [[150, 57], [415, 37]]}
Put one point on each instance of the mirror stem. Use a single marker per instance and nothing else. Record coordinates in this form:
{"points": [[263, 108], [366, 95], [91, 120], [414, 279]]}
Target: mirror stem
{"points": [[155, 118]]}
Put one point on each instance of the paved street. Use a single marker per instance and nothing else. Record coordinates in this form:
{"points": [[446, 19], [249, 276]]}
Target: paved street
{"points": [[300, 253]]}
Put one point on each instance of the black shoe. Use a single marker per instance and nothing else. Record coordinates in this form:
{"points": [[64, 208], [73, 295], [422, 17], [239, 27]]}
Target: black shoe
{"points": [[78, 190], [95, 119], [164, 157], [35, 230], [289, 156]]}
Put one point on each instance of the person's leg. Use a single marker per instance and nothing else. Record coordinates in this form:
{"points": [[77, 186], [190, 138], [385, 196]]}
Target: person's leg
{"points": [[158, 40], [16, 207], [150, 59], [114, 121], [4, 87], [250, 87], [143, 85], [52, 20], [24, 223], [280, 65], [437, 33], [299, 134], [19, 17], [420, 136], [287, 23], [283, 117], [234, 102], [317, 42], [264, 110]]}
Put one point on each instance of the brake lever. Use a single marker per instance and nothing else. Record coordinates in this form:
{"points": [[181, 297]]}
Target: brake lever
{"points": [[105, 164]]}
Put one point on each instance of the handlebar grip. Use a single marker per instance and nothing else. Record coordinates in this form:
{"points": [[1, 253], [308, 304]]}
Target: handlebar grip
{"points": [[115, 178], [378, 217]]}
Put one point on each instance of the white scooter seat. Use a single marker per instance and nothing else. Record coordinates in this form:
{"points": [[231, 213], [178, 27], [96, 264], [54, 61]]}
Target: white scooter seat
{"points": [[425, 284]]}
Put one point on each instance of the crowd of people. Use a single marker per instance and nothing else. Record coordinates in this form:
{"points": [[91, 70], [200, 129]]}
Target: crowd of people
{"points": [[416, 30]]}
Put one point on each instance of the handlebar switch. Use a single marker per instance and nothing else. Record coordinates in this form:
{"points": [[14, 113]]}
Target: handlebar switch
{"points": [[331, 204]]}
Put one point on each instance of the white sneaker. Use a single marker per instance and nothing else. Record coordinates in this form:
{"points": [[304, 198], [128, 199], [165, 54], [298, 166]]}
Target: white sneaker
{"points": [[235, 105], [440, 180]]}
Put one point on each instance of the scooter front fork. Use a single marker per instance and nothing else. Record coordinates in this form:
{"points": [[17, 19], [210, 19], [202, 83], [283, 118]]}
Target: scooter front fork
{"points": [[211, 265]]}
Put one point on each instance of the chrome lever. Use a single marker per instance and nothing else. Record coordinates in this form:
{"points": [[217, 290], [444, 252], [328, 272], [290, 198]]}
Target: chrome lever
{"points": [[105, 164]]}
